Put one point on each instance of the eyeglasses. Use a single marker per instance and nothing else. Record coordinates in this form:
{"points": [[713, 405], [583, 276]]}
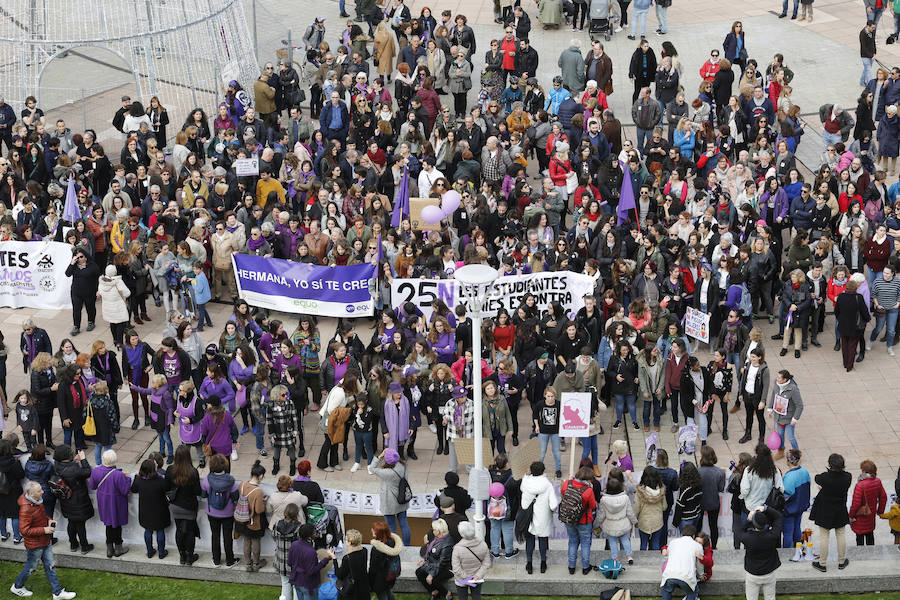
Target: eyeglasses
{"points": [[372, 248], [220, 229]]}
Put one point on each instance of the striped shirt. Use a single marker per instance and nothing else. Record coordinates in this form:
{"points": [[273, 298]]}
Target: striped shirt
{"points": [[886, 292]]}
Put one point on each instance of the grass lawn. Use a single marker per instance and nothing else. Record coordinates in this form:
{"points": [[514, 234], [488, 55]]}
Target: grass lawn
{"points": [[95, 585]]}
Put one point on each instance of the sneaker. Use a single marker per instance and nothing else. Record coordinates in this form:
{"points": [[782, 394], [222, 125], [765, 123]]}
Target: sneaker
{"points": [[631, 37], [868, 345], [558, 474], [495, 554], [370, 469], [328, 469], [617, 424], [635, 426], [263, 452], [618, 29], [354, 468], [630, 559], [91, 326], [338, 468], [674, 428], [4, 537], [75, 331], [64, 595], [819, 566], [891, 351], [234, 455], [20, 591], [513, 554], [229, 564], [245, 429], [843, 565]]}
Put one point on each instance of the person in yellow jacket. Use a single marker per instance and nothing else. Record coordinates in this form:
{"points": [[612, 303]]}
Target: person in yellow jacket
{"points": [[117, 233], [267, 184], [894, 522]]}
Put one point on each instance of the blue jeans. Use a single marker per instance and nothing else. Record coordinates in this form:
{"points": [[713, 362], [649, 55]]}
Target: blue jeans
{"points": [[616, 541], [79, 438], [642, 136], [889, 318], [399, 520], [695, 522], [654, 403], [580, 535], [676, 584], [873, 275], [45, 555], [165, 442], [896, 24], [259, 431], [664, 532], [652, 541], [789, 429], [662, 17], [589, 447], [784, 7], [621, 401], [874, 15], [364, 439], [553, 439], [98, 453], [866, 71], [639, 15], [305, 594], [790, 529], [17, 535], [506, 529], [160, 540], [830, 139], [203, 316]]}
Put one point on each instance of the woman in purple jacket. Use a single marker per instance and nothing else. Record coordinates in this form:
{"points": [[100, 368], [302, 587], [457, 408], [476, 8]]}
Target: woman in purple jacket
{"points": [[221, 491], [112, 487], [215, 384], [443, 341], [241, 372], [162, 408], [287, 357], [218, 430]]}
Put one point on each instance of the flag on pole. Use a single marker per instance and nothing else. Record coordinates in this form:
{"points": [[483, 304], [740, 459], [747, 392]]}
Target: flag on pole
{"points": [[71, 213], [401, 207], [380, 254], [626, 196]]}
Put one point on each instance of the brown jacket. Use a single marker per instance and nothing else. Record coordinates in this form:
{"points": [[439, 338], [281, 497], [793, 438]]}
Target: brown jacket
{"points": [[32, 520], [265, 97], [385, 50], [257, 499], [223, 249], [318, 245], [337, 423]]}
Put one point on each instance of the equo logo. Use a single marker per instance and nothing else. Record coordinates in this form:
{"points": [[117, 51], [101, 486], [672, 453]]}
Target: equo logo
{"points": [[349, 308]]}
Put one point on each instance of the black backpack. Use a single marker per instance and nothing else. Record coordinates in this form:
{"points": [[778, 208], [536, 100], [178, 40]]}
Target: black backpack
{"points": [[404, 492]]}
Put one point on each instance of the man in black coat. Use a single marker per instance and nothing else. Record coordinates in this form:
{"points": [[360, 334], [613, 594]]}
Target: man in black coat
{"points": [[762, 539], [525, 63], [519, 20], [85, 276]]}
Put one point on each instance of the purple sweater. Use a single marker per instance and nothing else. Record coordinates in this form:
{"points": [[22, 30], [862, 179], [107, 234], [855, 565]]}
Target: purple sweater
{"points": [[217, 436], [220, 481], [112, 495], [162, 406], [444, 340], [222, 389], [305, 565], [281, 365]]}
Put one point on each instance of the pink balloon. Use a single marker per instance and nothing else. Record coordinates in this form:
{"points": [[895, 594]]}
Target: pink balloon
{"points": [[432, 214], [773, 441], [450, 202]]}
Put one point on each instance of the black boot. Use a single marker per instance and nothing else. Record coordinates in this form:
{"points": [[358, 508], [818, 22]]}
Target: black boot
{"points": [[182, 558], [110, 550], [411, 452], [293, 470], [120, 550], [346, 455], [301, 452], [275, 466]]}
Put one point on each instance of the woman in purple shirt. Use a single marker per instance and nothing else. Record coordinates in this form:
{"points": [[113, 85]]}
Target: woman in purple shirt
{"points": [[241, 372], [442, 341], [286, 358], [218, 430], [112, 487], [215, 384], [269, 348]]}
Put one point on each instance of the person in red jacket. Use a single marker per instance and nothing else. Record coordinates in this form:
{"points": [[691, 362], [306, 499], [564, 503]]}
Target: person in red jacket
{"points": [[709, 68], [37, 529], [869, 499], [508, 48], [581, 533]]}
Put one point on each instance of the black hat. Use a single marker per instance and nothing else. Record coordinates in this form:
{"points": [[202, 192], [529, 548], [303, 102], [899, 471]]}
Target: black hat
{"points": [[570, 366]]}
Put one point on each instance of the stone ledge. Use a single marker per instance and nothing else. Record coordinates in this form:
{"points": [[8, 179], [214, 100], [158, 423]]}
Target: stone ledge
{"points": [[872, 569]]}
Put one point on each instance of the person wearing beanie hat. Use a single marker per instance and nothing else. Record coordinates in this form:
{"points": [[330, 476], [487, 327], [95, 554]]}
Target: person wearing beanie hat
{"points": [[112, 292], [459, 419], [391, 471], [396, 419], [461, 498]]}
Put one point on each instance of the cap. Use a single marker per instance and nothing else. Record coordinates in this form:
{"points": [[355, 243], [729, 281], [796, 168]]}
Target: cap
{"points": [[212, 349], [445, 501]]}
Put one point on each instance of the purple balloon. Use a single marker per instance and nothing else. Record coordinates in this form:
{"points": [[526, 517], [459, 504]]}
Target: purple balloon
{"points": [[432, 214], [450, 202]]}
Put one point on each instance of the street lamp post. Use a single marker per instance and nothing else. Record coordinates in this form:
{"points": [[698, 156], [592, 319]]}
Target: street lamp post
{"points": [[474, 284]]}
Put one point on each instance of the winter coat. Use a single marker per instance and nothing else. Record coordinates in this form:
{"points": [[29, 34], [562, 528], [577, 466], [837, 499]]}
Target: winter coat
{"points": [[384, 51], [284, 534], [153, 509], [354, 564], [537, 490], [378, 562], [84, 281], [439, 558], [888, 136], [390, 481], [829, 509], [502, 420], [462, 81], [220, 481], [588, 499], [112, 495], [113, 293], [868, 491], [470, 558], [795, 402], [282, 420], [278, 501], [572, 65], [615, 514], [75, 474], [33, 520], [45, 398], [14, 473], [649, 505]]}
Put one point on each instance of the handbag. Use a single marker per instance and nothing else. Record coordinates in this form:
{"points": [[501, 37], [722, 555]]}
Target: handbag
{"points": [[90, 426], [571, 181], [775, 499], [207, 449], [864, 510]]}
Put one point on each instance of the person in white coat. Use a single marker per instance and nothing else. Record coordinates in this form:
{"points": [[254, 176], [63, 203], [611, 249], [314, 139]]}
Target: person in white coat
{"points": [[113, 293], [538, 493]]}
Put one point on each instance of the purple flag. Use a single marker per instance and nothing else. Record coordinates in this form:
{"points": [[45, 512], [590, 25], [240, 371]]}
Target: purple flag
{"points": [[380, 255], [626, 196], [71, 213], [401, 207]]}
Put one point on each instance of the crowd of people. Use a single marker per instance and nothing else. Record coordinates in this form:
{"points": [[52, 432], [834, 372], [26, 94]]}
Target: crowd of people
{"points": [[706, 208]]}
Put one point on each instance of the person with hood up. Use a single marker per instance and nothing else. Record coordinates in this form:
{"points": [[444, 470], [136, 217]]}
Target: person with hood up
{"points": [[385, 546], [649, 507], [470, 561], [615, 515], [786, 405], [538, 493], [112, 291]]}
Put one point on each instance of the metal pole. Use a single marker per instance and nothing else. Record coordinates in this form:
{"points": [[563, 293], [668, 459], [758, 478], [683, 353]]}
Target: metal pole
{"points": [[83, 110], [255, 42], [477, 302], [290, 49]]}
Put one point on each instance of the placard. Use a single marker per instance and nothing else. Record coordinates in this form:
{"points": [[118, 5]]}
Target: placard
{"points": [[575, 414], [524, 455], [415, 214], [246, 167], [696, 324], [465, 451]]}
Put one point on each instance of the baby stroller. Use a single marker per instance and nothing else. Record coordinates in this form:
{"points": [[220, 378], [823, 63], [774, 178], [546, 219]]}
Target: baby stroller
{"points": [[601, 19]]}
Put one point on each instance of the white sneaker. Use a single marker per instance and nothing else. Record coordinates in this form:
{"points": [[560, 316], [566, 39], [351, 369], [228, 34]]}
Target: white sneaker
{"points": [[354, 468], [891, 351], [868, 345], [20, 591], [618, 29], [64, 595], [338, 468], [370, 469], [433, 428], [233, 454]]}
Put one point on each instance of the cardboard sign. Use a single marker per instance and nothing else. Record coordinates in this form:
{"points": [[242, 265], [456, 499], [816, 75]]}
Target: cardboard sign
{"points": [[415, 214], [575, 414], [696, 324], [246, 167]]}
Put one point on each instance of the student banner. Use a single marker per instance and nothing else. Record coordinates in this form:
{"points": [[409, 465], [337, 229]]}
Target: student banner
{"points": [[565, 287], [33, 275], [302, 288]]}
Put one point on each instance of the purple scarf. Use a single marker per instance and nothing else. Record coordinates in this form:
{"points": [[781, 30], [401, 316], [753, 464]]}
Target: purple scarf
{"points": [[254, 244], [397, 421], [29, 347]]}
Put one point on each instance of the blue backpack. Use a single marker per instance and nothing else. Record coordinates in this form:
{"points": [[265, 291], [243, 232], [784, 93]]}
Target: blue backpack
{"points": [[610, 568], [745, 305]]}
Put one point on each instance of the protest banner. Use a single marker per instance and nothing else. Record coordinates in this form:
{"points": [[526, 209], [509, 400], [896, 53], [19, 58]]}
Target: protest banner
{"points": [[33, 275], [302, 288], [696, 324], [507, 292], [246, 167]]}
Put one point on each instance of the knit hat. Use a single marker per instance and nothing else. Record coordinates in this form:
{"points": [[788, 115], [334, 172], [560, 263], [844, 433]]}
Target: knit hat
{"points": [[391, 457], [562, 147], [395, 388], [760, 223], [451, 478]]}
